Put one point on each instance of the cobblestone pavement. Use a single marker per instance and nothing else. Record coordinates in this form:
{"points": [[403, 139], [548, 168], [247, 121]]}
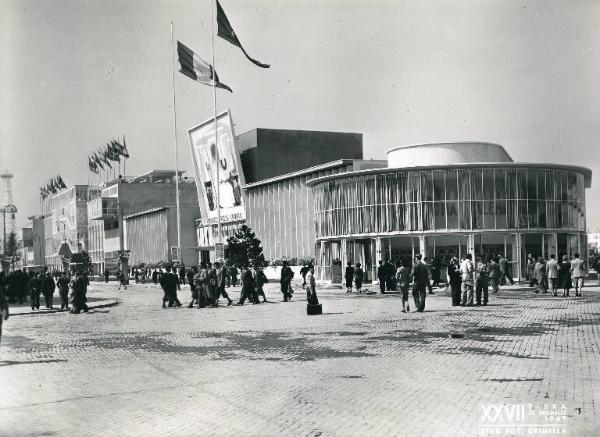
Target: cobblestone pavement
{"points": [[363, 368]]}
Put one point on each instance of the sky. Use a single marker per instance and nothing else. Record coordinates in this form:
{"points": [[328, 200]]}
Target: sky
{"points": [[77, 73]]}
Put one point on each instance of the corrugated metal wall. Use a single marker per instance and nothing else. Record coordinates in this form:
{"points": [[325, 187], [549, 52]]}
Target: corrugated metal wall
{"points": [[147, 238], [282, 216]]}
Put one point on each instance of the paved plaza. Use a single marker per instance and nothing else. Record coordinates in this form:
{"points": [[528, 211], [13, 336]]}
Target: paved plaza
{"points": [[524, 364]]}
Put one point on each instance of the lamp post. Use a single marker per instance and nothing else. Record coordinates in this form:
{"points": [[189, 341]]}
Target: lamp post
{"points": [[10, 209]]}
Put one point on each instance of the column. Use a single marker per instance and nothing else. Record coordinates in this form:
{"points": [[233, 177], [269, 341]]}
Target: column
{"points": [[377, 257], [422, 246], [321, 259], [344, 254]]}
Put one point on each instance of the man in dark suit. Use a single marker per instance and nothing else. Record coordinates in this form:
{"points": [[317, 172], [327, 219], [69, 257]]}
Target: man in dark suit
{"points": [[170, 283], [48, 287], [420, 275]]}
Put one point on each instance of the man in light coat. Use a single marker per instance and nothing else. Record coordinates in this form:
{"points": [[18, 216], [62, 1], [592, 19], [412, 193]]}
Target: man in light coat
{"points": [[466, 269], [578, 272], [552, 273]]}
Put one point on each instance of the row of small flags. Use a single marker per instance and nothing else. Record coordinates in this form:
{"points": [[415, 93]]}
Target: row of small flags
{"points": [[196, 68], [102, 157], [53, 186]]}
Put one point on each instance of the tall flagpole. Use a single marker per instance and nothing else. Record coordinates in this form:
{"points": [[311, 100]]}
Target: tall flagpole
{"points": [[218, 187], [175, 141]]}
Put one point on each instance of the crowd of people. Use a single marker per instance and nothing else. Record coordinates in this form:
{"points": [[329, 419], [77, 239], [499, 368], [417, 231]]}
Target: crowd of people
{"points": [[556, 274], [19, 285]]}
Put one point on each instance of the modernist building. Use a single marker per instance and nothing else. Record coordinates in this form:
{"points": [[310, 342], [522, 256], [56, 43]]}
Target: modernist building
{"points": [[33, 252], [133, 220], [448, 199], [65, 224], [277, 203]]}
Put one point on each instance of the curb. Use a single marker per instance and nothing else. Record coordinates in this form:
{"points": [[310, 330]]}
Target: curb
{"points": [[107, 303]]}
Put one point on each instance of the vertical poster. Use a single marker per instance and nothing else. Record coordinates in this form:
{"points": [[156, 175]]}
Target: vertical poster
{"points": [[210, 152]]}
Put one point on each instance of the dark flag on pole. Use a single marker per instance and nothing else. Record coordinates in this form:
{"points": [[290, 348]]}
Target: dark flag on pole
{"points": [[228, 34], [196, 68]]}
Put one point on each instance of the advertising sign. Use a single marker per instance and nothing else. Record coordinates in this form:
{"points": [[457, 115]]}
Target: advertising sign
{"points": [[231, 178]]}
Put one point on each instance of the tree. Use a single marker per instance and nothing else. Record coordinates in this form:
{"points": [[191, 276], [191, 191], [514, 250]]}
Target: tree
{"points": [[11, 245], [245, 248]]}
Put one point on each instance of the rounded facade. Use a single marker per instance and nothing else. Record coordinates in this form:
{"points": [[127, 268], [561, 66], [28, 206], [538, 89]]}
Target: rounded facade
{"points": [[446, 154], [449, 210]]}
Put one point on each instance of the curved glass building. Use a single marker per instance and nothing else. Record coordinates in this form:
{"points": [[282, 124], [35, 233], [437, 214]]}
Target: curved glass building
{"points": [[448, 199]]}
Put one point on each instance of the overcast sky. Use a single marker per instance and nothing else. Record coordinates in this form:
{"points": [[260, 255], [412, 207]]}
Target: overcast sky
{"points": [[77, 73]]}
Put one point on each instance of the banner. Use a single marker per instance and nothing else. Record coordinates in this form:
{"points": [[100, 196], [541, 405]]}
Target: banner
{"points": [[231, 178]]}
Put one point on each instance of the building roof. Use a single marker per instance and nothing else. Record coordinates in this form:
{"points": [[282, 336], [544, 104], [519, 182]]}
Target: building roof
{"points": [[147, 211], [587, 173], [309, 170], [458, 152], [152, 175]]}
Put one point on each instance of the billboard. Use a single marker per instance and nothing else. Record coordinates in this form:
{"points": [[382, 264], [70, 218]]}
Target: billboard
{"points": [[231, 178]]}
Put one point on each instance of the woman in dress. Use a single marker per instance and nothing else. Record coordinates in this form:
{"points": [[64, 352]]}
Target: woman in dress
{"points": [[358, 278], [564, 275], [348, 276]]}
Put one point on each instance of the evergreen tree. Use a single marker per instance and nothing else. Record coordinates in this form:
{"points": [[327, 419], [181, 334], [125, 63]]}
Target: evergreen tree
{"points": [[245, 248]]}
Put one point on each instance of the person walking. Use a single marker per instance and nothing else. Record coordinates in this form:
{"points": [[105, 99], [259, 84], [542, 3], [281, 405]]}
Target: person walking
{"points": [[287, 274], [348, 276], [190, 279], [106, 275], [390, 275], [578, 273], [531, 270], [79, 292], [466, 270], [381, 276], [221, 274], [35, 288], [422, 279], [233, 273], [63, 291], [552, 274], [482, 282], [403, 284], [48, 286], [248, 290], [259, 281], [564, 276], [455, 280], [358, 278], [182, 274], [202, 288], [504, 271], [303, 271], [169, 283], [494, 275], [122, 278], [4, 311], [540, 275], [427, 262]]}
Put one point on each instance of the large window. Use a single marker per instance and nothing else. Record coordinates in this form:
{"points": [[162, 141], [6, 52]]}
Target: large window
{"points": [[454, 199]]}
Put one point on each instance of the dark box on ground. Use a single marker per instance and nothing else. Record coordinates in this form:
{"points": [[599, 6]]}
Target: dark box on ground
{"points": [[313, 310]]}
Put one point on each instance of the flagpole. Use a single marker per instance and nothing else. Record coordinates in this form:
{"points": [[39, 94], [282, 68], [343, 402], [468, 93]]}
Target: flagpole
{"points": [[124, 158], [175, 141], [214, 81]]}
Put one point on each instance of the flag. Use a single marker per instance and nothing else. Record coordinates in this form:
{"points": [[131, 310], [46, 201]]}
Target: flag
{"points": [[228, 34], [98, 160], [104, 158], [119, 148], [92, 165], [196, 68]]}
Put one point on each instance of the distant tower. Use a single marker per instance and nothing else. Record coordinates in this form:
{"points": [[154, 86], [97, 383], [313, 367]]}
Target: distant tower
{"points": [[8, 200]]}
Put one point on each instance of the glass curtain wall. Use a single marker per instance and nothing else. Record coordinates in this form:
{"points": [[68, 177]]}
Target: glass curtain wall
{"points": [[451, 200]]}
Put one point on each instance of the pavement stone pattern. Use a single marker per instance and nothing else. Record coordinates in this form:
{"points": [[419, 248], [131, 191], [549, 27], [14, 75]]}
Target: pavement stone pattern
{"points": [[363, 368]]}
